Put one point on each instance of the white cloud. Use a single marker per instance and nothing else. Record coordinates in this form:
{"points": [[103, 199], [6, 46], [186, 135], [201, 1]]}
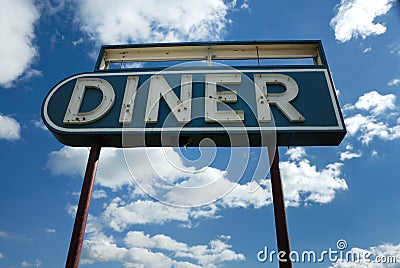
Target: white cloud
{"points": [[394, 82], [349, 154], [31, 73], [153, 21], [380, 120], [355, 123], [77, 42], [71, 210], [102, 249], [1, 255], [245, 5], [369, 127], [217, 252], [139, 239], [97, 194], [374, 103], [50, 230], [68, 161], [296, 153], [368, 49], [160, 172], [368, 257], [39, 124], [143, 250], [72, 161], [119, 214], [36, 263], [208, 185], [356, 18], [298, 174], [243, 195], [5, 235], [303, 183], [17, 51], [394, 48], [349, 147], [148, 165], [10, 129]]}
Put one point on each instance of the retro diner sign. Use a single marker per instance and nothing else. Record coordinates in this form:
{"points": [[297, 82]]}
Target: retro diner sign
{"points": [[185, 104]]}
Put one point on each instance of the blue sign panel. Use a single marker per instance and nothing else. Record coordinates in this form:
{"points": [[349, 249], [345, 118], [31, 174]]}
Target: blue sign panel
{"points": [[179, 106]]}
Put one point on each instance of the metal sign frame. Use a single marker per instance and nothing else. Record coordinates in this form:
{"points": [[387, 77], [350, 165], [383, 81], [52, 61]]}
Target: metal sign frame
{"points": [[209, 52], [296, 134]]}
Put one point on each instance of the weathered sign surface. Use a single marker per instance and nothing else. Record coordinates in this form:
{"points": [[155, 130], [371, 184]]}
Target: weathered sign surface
{"points": [[131, 109]]}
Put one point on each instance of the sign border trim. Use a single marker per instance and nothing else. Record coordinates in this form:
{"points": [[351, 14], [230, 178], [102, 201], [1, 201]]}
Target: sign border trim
{"points": [[339, 127]]}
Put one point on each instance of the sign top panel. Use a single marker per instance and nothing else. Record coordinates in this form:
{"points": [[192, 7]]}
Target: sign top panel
{"points": [[209, 51]]}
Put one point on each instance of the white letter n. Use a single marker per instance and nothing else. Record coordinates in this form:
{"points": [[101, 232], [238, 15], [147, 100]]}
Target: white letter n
{"points": [[181, 108]]}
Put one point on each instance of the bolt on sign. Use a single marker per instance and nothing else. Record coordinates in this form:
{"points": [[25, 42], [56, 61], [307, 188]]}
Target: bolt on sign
{"points": [[201, 98]]}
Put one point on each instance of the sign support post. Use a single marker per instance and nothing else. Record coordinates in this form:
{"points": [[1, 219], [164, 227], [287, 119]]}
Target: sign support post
{"points": [[281, 228], [75, 246]]}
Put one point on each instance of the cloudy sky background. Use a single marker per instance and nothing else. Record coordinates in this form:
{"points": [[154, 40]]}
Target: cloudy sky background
{"points": [[347, 192]]}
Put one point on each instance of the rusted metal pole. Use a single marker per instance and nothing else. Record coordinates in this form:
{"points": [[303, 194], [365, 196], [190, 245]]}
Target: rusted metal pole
{"points": [[75, 246], [281, 228]]}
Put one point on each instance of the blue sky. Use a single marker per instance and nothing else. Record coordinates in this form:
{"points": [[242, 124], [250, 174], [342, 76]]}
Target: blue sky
{"points": [[346, 192]]}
